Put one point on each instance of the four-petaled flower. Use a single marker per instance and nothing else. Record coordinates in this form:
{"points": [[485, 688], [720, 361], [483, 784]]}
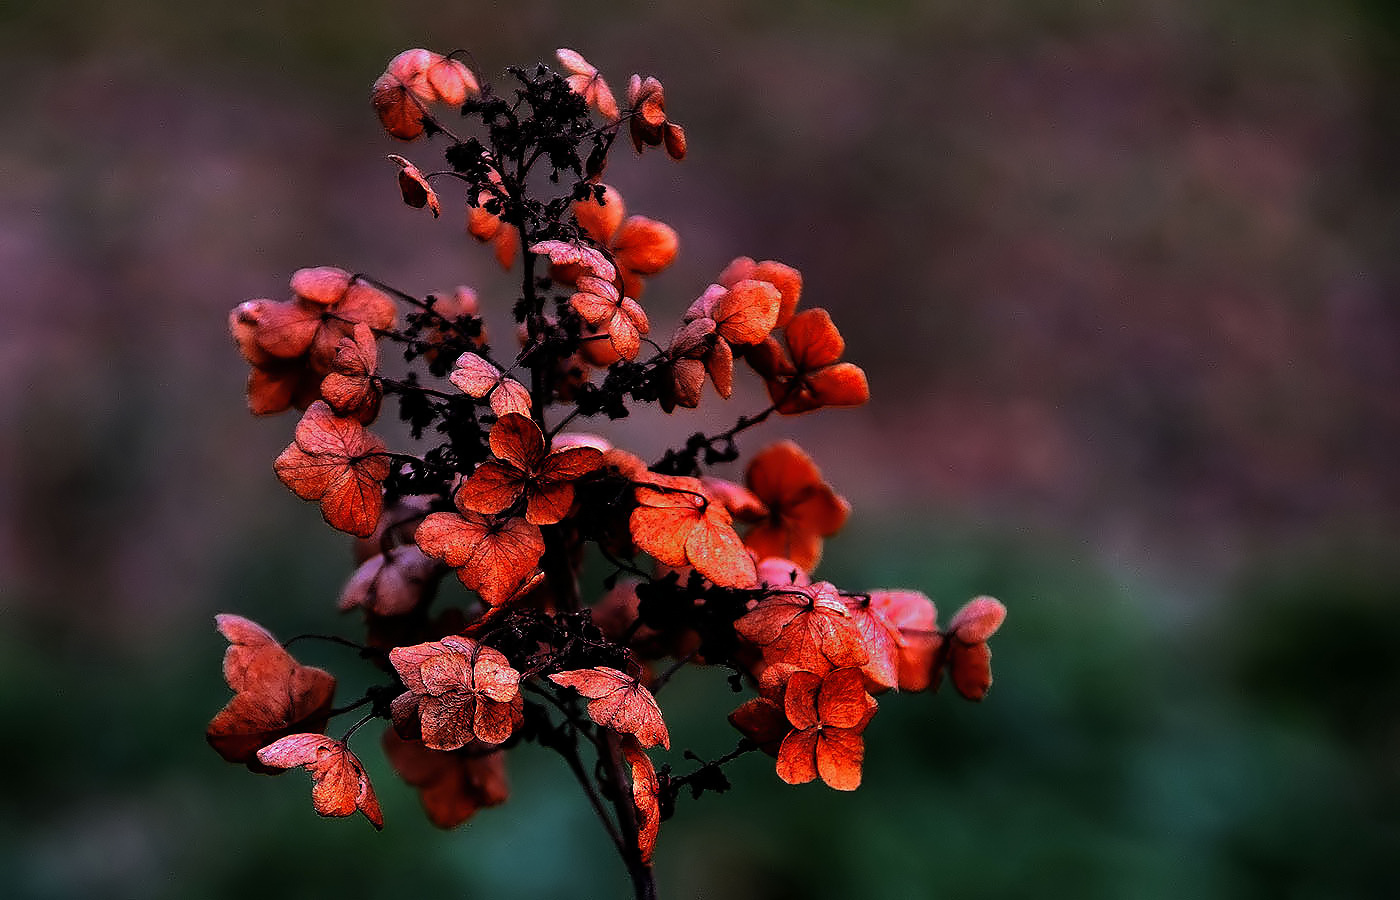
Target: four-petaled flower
{"points": [[459, 691], [828, 714]]}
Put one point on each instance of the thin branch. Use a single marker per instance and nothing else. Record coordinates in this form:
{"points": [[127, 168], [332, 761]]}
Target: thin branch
{"points": [[745, 746], [329, 638], [665, 676], [404, 387], [575, 763], [345, 738], [368, 698]]}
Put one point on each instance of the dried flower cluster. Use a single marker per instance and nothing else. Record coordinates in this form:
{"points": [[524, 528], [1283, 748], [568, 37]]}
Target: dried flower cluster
{"points": [[704, 571]]}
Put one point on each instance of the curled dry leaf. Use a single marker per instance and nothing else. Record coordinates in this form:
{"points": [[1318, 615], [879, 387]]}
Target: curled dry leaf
{"points": [[619, 702], [274, 695], [964, 654], [649, 126], [453, 785], [339, 785], [621, 318], [914, 615], [563, 253], [414, 186], [646, 791], [414, 79], [393, 583], [584, 80], [462, 692], [352, 389], [339, 463]]}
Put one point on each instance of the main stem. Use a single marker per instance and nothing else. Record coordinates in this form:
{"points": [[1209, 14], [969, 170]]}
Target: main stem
{"points": [[562, 577], [643, 881]]}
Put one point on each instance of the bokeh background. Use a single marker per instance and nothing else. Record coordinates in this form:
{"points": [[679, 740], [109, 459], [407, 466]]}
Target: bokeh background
{"points": [[1124, 278]]}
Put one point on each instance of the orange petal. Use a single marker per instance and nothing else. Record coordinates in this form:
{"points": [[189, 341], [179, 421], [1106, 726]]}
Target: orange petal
{"points": [[645, 246], [674, 138], [339, 785], [399, 111], [474, 376], [600, 221], [970, 668], [916, 618], [843, 702], [719, 362], [452, 81], [322, 285], [517, 440], [839, 755], [502, 560], [286, 329], [843, 384], [495, 486], [715, 551], [510, 396], [570, 462], [645, 792], [366, 303], [814, 340], [978, 620], [797, 757], [620, 703], [747, 312], [414, 187], [800, 700], [761, 721]]}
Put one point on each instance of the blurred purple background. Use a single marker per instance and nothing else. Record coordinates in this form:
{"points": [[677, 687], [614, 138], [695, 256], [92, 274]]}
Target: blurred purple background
{"points": [[1123, 276]]}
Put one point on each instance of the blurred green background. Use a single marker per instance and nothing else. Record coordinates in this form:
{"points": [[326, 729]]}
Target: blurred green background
{"points": [[1123, 275]]}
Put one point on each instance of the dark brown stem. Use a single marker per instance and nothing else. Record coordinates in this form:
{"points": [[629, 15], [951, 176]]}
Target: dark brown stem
{"points": [[643, 881], [345, 738], [665, 676], [559, 571], [744, 422], [403, 387]]}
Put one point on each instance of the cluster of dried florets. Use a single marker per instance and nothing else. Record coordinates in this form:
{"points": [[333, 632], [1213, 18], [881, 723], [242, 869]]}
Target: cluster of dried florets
{"points": [[503, 496]]}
